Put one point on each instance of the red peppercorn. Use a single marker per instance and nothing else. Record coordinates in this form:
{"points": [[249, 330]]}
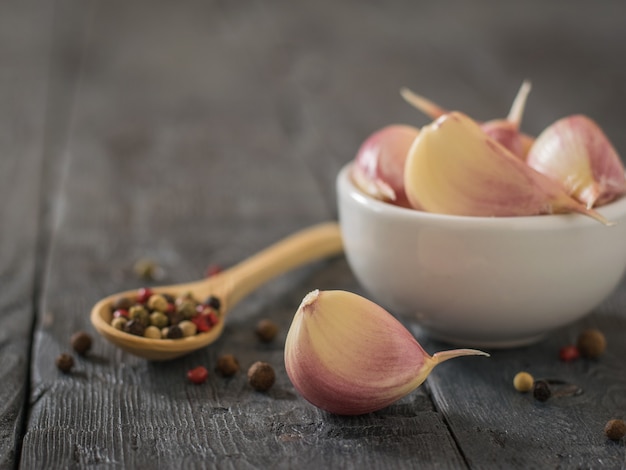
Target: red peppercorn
{"points": [[212, 318], [201, 323], [120, 312], [144, 294], [569, 353], [199, 375], [171, 308]]}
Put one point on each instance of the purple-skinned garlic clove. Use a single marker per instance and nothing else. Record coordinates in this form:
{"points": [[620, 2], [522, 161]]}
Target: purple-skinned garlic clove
{"points": [[576, 152], [349, 356], [454, 168], [378, 168]]}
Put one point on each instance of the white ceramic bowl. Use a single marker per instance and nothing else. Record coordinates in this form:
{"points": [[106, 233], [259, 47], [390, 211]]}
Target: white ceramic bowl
{"points": [[482, 281]]}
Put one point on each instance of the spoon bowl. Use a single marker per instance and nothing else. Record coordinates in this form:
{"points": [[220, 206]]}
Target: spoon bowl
{"points": [[230, 286]]}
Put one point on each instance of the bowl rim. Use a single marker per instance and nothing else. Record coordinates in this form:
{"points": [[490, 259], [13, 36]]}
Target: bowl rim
{"points": [[612, 211]]}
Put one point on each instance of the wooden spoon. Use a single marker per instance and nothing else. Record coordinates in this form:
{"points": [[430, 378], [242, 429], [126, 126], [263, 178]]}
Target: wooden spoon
{"points": [[230, 286]]}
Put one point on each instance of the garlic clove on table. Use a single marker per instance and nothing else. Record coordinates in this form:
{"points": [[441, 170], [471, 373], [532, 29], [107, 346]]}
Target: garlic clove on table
{"points": [[349, 356]]}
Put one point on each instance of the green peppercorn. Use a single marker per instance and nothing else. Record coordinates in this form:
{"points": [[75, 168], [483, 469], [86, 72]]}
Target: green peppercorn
{"points": [[186, 308], [174, 332], [157, 302], [119, 323], [188, 328], [152, 332], [523, 382], [135, 327], [159, 319], [541, 390], [146, 268], [140, 314]]}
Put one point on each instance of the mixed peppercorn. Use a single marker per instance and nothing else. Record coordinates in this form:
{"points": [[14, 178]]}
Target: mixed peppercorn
{"points": [[163, 316]]}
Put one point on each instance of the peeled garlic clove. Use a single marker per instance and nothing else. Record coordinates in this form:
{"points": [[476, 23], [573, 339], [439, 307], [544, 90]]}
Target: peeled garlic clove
{"points": [[454, 168], [378, 168], [349, 356], [504, 131], [575, 152]]}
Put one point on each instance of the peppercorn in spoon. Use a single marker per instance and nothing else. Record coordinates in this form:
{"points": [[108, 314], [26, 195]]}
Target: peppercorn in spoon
{"points": [[230, 286]]}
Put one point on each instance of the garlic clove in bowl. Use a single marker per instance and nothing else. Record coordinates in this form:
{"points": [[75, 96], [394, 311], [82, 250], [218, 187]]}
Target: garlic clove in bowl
{"points": [[577, 153]]}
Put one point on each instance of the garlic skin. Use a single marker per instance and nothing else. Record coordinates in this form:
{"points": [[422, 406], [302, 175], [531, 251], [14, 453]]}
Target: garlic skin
{"points": [[504, 131], [454, 168], [349, 356], [575, 151], [378, 168]]}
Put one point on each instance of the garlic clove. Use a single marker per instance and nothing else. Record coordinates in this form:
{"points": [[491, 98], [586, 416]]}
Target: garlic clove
{"points": [[576, 152], [378, 168], [454, 168], [504, 131], [349, 356]]}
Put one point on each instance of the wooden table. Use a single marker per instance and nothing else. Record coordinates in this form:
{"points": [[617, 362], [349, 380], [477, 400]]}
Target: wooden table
{"points": [[196, 133]]}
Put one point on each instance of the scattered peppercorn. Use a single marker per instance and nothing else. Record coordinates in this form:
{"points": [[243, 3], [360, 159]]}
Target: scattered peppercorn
{"points": [[261, 376], [523, 382], [591, 343], [81, 342], [541, 390], [569, 353], [199, 375], [64, 363], [615, 429], [266, 330], [227, 365], [146, 269]]}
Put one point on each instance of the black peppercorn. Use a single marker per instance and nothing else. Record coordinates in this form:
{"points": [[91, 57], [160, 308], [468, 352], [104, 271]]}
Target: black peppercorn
{"points": [[227, 365], [541, 390], [81, 342], [213, 302], [266, 330], [261, 376], [135, 327], [591, 343], [174, 332], [615, 429], [65, 362]]}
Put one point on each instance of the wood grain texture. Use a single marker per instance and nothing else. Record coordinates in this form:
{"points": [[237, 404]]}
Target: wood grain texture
{"points": [[25, 30], [201, 132]]}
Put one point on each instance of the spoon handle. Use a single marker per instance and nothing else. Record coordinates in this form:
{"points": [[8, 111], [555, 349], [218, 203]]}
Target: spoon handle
{"points": [[302, 247]]}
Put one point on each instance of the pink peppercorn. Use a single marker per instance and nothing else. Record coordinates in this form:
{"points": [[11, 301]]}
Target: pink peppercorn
{"points": [[199, 375], [569, 353]]}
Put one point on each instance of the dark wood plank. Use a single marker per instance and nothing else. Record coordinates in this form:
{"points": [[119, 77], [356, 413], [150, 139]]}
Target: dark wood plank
{"points": [[25, 29], [202, 132], [186, 148]]}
